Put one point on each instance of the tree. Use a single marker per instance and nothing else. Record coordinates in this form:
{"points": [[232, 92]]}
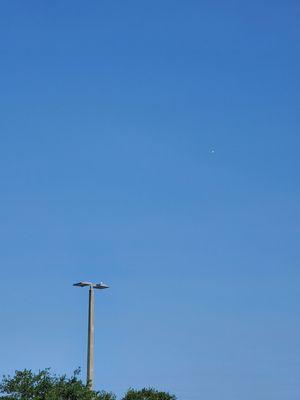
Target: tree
{"points": [[26, 385], [147, 394]]}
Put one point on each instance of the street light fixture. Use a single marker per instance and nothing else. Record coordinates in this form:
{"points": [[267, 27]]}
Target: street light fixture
{"points": [[90, 350]]}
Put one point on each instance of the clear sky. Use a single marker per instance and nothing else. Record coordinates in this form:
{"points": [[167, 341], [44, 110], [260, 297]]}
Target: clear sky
{"points": [[153, 145]]}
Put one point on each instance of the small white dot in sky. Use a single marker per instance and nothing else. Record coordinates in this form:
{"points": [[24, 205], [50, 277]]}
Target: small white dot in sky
{"points": [[212, 151]]}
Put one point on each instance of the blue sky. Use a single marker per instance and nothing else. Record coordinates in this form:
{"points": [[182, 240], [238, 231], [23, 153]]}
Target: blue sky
{"points": [[110, 111]]}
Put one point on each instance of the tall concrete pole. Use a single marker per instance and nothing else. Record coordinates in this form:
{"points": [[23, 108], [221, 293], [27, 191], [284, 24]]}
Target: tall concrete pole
{"points": [[90, 350]]}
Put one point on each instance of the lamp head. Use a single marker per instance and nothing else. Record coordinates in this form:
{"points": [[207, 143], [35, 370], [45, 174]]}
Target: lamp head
{"points": [[100, 285]]}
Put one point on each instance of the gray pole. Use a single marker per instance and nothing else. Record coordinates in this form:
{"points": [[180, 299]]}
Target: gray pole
{"points": [[90, 350]]}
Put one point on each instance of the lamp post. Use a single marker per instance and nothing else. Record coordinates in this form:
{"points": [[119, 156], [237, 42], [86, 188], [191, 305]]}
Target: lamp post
{"points": [[90, 349]]}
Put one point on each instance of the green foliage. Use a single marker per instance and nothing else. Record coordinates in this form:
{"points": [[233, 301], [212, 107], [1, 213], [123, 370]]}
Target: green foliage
{"points": [[26, 385], [147, 394]]}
